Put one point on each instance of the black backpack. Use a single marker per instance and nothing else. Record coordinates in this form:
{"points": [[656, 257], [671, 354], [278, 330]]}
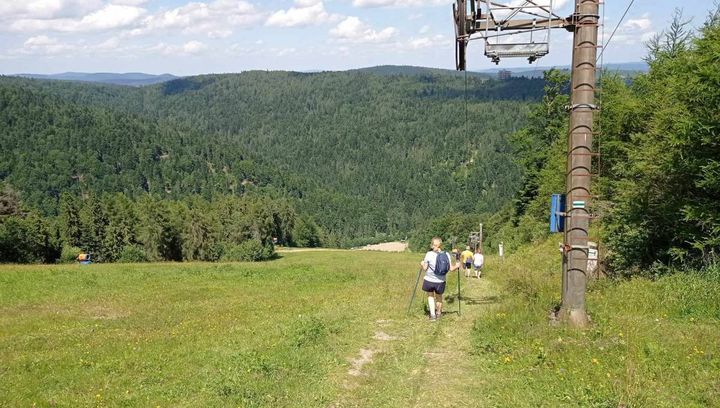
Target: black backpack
{"points": [[442, 264]]}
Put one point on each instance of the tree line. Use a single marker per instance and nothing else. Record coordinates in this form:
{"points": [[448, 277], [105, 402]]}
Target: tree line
{"points": [[114, 228]]}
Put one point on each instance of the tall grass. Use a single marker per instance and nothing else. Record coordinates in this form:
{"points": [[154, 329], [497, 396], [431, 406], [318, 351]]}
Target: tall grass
{"points": [[651, 343]]}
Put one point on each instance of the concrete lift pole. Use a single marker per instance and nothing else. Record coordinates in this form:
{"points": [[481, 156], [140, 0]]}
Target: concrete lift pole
{"points": [[584, 24], [579, 161]]}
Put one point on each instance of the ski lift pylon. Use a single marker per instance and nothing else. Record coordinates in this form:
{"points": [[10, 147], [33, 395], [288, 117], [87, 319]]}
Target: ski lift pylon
{"points": [[496, 23]]}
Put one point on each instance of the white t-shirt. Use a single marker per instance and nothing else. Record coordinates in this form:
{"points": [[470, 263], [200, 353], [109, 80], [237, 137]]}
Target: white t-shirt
{"points": [[478, 260], [430, 259]]}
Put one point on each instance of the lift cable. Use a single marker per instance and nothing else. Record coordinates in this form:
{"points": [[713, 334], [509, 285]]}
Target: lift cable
{"points": [[604, 47]]}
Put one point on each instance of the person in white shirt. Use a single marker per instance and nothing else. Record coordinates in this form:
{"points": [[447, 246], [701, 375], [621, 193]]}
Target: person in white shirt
{"points": [[478, 262], [434, 282]]}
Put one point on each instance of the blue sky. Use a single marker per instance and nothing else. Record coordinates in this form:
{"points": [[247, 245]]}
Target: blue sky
{"points": [[203, 36]]}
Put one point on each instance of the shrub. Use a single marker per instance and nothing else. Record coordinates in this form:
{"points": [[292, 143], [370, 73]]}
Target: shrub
{"points": [[132, 253], [250, 250], [306, 233], [69, 254]]}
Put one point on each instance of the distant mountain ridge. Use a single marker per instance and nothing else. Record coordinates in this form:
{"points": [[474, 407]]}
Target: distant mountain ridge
{"points": [[142, 79], [533, 71], [127, 79]]}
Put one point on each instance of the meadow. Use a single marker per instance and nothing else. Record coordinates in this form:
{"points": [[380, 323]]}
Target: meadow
{"points": [[329, 329]]}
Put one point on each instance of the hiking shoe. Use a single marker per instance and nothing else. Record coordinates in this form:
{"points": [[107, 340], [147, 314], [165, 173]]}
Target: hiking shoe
{"points": [[433, 319]]}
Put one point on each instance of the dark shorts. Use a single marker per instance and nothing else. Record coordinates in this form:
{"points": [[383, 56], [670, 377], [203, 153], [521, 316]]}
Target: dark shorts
{"points": [[468, 265], [438, 288]]}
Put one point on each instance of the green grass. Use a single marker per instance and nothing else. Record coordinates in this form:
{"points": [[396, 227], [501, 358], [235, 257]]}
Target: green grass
{"points": [[651, 344], [266, 334], [285, 333]]}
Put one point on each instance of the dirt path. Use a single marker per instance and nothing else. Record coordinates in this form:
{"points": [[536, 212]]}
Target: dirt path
{"points": [[448, 360], [396, 246], [413, 362]]}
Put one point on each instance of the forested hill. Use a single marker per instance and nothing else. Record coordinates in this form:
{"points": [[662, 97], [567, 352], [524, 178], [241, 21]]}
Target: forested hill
{"points": [[51, 146], [361, 154]]}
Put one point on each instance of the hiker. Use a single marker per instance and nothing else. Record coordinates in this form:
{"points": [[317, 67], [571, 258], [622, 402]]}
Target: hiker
{"points": [[437, 264], [466, 258], [478, 262]]}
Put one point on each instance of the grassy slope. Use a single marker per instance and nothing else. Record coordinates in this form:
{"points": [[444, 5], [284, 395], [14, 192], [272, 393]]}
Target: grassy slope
{"points": [[286, 332], [270, 334], [651, 344]]}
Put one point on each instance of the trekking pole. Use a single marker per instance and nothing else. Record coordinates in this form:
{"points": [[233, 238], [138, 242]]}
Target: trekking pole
{"points": [[458, 271], [412, 298]]}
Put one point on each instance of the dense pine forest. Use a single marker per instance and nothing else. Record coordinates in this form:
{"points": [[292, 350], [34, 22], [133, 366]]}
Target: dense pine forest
{"points": [[358, 155], [342, 158]]}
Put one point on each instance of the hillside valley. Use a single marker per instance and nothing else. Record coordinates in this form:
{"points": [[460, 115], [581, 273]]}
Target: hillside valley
{"points": [[360, 153]]}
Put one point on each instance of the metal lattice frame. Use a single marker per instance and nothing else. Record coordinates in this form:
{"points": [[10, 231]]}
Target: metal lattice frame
{"points": [[496, 23]]}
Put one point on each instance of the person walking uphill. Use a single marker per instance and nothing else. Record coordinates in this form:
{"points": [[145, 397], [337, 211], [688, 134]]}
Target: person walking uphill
{"points": [[478, 262], [437, 264], [466, 258]]}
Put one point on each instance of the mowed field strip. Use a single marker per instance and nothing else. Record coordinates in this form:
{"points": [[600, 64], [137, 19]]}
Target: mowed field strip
{"points": [[325, 328]]}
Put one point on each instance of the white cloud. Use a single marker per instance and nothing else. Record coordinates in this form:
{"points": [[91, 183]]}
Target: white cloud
{"points": [[46, 9], [109, 17], [44, 45], [214, 19], [353, 30], [307, 13], [401, 3], [424, 29], [638, 24], [307, 3], [434, 41], [189, 48], [129, 2], [633, 31], [193, 47], [219, 33], [180, 17]]}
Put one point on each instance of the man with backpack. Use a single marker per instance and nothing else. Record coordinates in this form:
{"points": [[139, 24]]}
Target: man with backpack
{"points": [[437, 264]]}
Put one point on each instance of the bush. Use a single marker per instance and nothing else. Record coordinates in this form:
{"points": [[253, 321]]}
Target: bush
{"points": [[251, 250], [132, 253], [69, 254], [306, 233]]}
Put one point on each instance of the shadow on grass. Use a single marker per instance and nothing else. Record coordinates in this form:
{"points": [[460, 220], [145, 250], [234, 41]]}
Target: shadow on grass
{"points": [[468, 300]]}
